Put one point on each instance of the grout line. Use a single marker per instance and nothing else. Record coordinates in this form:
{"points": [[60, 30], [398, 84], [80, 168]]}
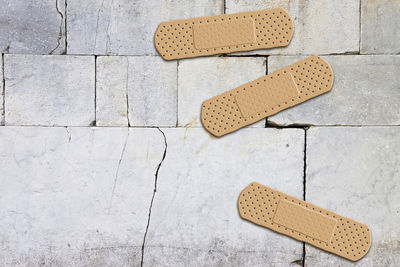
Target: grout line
{"points": [[95, 91], [304, 185], [266, 73], [200, 127], [177, 92], [224, 6], [305, 163], [359, 29], [221, 55], [126, 92], [4, 90], [230, 55], [154, 192], [65, 24]]}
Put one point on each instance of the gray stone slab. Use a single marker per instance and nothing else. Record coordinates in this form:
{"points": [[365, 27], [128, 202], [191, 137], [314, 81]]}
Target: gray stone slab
{"points": [[111, 91], [32, 27], [366, 91], [124, 27], [141, 90], [320, 27], [356, 172], [76, 196], [195, 217], [202, 78], [380, 27], [49, 90]]}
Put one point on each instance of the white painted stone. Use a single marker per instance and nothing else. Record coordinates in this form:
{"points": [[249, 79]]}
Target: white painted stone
{"points": [[202, 78], [147, 83], [320, 27], [195, 217], [356, 173], [380, 27], [125, 27], [365, 92], [49, 90], [32, 27], [76, 196]]}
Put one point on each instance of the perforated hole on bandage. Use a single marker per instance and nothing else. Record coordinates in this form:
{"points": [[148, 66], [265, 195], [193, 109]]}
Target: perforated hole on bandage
{"points": [[219, 34], [304, 221], [266, 96]]}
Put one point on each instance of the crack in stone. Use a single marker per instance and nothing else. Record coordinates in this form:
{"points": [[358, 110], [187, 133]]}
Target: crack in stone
{"points": [[95, 91], [298, 262], [97, 26], [68, 134], [117, 172], [154, 193], [108, 27], [60, 31], [4, 91], [126, 91], [303, 261]]}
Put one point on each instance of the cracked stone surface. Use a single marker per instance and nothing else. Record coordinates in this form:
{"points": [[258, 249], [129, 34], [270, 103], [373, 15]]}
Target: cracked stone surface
{"points": [[104, 161], [124, 27], [202, 78], [366, 91], [76, 196], [320, 27], [194, 215], [32, 27], [380, 28], [141, 90], [49, 90], [355, 171]]}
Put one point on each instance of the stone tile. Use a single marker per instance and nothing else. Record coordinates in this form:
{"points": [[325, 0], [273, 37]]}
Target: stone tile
{"points": [[320, 27], [356, 173], [111, 91], [76, 196], [147, 83], [152, 91], [380, 27], [49, 90], [124, 27], [202, 78], [32, 27], [194, 215], [365, 92]]}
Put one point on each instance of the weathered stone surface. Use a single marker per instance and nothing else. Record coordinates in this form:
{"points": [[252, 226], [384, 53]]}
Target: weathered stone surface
{"points": [[32, 27], [152, 91], [202, 78], [111, 91], [380, 27], [320, 27], [356, 173], [194, 216], [49, 90], [141, 88], [365, 92], [76, 196], [124, 27]]}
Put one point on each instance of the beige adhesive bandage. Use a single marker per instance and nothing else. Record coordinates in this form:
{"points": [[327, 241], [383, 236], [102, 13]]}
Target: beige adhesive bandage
{"points": [[304, 221], [266, 96], [206, 36]]}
